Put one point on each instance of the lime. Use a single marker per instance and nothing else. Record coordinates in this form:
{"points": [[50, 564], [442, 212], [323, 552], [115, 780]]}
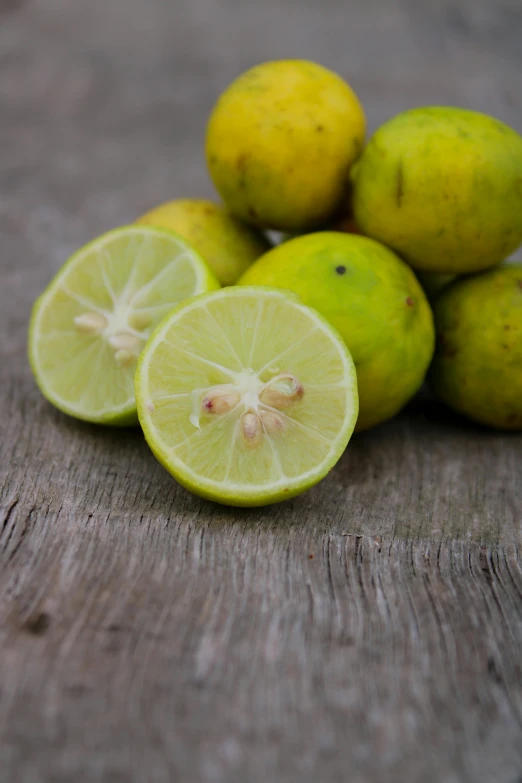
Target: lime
{"points": [[90, 324], [227, 244], [246, 395], [280, 143], [477, 369], [442, 187], [375, 301]]}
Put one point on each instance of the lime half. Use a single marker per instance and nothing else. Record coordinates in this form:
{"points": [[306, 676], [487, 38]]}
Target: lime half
{"points": [[246, 395], [90, 324]]}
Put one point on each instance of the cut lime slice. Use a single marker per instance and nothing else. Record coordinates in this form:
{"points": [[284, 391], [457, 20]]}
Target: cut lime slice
{"points": [[90, 324], [246, 395]]}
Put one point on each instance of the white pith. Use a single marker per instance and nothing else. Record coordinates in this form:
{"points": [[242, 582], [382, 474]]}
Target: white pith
{"points": [[125, 341]]}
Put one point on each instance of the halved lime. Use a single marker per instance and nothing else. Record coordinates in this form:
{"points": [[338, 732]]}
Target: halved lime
{"points": [[90, 324], [246, 395]]}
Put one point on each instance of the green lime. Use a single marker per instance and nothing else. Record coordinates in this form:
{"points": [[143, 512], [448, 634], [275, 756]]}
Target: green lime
{"points": [[373, 299], [477, 369], [246, 395], [90, 324]]}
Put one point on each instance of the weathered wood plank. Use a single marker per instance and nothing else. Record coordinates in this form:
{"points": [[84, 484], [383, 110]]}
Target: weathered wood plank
{"points": [[368, 631]]}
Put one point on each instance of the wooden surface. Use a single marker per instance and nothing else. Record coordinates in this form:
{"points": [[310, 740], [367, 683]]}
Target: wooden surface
{"points": [[368, 631]]}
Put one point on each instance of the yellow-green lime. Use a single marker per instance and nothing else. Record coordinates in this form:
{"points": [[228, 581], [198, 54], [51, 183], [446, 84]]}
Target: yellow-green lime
{"points": [[90, 324], [477, 369], [373, 299], [246, 395], [227, 244], [280, 143], [443, 187]]}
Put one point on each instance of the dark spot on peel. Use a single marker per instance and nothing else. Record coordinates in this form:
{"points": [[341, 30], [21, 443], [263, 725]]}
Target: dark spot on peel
{"points": [[319, 128], [341, 270], [399, 191], [252, 212], [38, 624], [519, 283], [409, 301], [507, 327], [242, 163]]}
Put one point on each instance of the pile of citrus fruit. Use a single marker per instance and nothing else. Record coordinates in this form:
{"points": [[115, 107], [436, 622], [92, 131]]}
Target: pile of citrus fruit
{"points": [[249, 366]]}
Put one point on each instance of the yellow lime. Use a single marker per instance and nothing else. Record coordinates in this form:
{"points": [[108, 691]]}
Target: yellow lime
{"points": [[372, 298], [443, 187], [246, 396], [227, 244], [280, 143], [90, 324]]}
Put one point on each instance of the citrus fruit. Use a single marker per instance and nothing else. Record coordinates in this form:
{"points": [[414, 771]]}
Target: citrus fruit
{"points": [[227, 244], [90, 324], [246, 395], [442, 187], [280, 143], [372, 298], [477, 369]]}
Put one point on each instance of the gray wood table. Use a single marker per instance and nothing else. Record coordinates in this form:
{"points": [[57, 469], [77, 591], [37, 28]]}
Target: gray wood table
{"points": [[367, 631]]}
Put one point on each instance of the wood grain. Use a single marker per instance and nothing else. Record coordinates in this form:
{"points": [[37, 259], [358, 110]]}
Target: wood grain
{"points": [[368, 631]]}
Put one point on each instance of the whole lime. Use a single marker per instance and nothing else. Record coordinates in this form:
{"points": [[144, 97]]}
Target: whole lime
{"points": [[280, 143], [477, 368], [227, 244], [442, 187], [372, 298]]}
